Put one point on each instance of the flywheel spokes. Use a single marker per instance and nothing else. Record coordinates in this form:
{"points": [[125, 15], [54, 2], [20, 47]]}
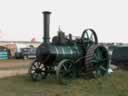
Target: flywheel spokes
{"points": [[89, 37]]}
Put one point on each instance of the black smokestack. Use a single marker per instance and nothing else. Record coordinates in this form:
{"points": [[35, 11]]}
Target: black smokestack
{"points": [[46, 26]]}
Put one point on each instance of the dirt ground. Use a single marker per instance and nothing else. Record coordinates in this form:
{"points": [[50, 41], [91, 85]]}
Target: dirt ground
{"points": [[14, 67]]}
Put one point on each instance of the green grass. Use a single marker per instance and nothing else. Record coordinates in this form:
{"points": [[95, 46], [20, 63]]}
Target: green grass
{"points": [[113, 85]]}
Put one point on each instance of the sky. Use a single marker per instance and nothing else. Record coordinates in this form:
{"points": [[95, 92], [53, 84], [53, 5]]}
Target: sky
{"points": [[21, 20]]}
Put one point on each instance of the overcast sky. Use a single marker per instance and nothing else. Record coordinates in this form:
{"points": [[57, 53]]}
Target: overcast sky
{"points": [[23, 20]]}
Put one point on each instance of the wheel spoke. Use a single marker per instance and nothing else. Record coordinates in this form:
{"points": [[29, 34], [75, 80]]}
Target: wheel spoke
{"points": [[102, 68], [42, 66], [34, 75], [65, 68], [33, 71], [97, 59], [87, 35], [70, 66], [39, 64], [43, 69], [98, 53], [33, 67], [91, 36], [98, 72], [36, 64], [38, 71], [39, 76]]}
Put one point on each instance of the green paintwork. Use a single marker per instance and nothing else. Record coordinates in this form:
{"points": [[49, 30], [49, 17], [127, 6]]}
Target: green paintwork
{"points": [[66, 51], [101, 61], [3, 55]]}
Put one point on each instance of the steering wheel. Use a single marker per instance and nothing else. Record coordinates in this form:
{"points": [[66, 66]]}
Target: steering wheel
{"points": [[89, 37]]}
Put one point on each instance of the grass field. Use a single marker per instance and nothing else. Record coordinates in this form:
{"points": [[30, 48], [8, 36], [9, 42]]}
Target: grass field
{"points": [[114, 85]]}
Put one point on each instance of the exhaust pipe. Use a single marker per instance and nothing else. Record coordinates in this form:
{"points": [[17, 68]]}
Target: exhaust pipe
{"points": [[46, 26]]}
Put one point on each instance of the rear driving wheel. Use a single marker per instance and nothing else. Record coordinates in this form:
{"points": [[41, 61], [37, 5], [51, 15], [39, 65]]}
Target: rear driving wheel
{"points": [[97, 59]]}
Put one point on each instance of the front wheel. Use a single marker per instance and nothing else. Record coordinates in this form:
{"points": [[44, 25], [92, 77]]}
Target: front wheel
{"points": [[37, 71]]}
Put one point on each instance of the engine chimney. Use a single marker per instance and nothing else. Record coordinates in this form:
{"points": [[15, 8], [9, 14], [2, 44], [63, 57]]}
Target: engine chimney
{"points": [[46, 26]]}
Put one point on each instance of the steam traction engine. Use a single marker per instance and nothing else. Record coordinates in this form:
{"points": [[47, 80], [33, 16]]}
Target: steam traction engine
{"points": [[68, 57]]}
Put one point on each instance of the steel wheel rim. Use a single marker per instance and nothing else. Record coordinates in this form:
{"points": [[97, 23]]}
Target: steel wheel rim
{"points": [[38, 71], [89, 37], [64, 72], [101, 61]]}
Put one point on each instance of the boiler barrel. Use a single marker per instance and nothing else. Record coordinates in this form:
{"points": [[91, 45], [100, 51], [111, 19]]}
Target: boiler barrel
{"points": [[65, 52], [54, 53]]}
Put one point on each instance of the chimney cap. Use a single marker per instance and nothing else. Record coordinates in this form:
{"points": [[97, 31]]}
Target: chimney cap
{"points": [[46, 12]]}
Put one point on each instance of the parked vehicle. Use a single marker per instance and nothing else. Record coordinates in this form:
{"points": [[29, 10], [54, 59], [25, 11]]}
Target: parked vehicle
{"points": [[26, 53], [4, 54], [120, 55]]}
